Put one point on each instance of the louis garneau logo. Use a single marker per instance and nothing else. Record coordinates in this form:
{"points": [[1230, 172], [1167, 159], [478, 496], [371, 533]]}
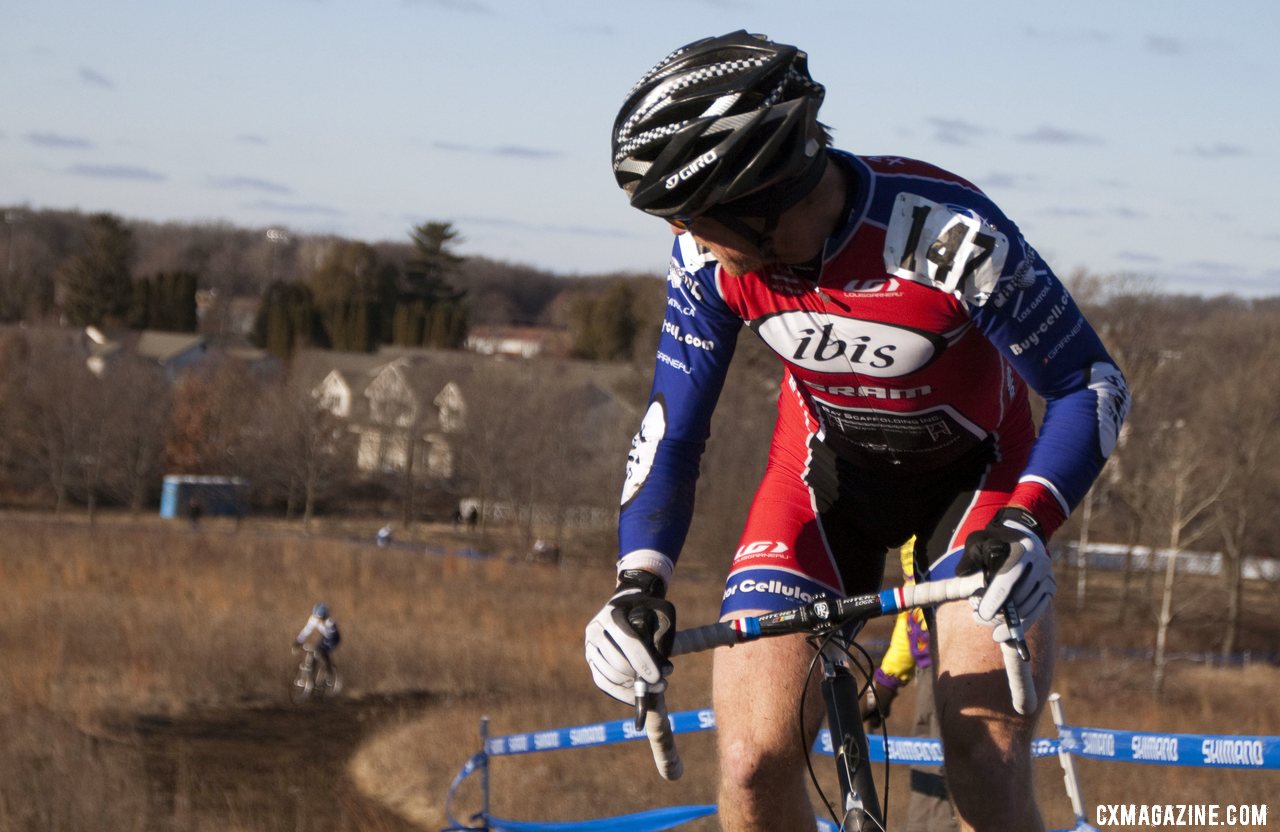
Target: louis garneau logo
{"points": [[874, 286], [762, 549]]}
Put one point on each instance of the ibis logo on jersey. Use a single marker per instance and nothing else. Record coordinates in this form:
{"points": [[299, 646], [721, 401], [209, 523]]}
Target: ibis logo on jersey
{"points": [[690, 169], [830, 344]]}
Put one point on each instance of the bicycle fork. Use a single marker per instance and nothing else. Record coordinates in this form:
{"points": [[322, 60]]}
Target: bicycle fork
{"points": [[859, 802]]}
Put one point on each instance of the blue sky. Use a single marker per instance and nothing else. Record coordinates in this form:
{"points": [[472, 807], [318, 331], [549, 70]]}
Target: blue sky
{"points": [[1123, 137]]}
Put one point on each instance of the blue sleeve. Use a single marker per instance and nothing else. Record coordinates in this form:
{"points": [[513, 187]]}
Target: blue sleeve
{"points": [[699, 333], [1035, 323]]}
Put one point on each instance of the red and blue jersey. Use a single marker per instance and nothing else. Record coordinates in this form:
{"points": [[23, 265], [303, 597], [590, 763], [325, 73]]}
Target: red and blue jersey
{"points": [[929, 318]]}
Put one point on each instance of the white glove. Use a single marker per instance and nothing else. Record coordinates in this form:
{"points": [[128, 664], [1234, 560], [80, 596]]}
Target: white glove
{"points": [[1011, 554], [631, 636]]}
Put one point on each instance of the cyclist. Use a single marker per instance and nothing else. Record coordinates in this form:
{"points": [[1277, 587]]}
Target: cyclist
{"points": [[910, 317], [323, 625], [908, 658]]}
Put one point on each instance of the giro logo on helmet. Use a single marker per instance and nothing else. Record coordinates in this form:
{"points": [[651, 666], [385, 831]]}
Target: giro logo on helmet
{"points": [[690, 169]]}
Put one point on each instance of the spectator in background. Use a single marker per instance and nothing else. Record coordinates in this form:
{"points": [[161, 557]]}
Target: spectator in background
{"points": [[908, 658]]}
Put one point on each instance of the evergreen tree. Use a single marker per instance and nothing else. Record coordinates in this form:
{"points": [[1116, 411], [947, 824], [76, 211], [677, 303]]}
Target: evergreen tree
{"points": [[603, 328], [429, 310], [355, 296], [166, 301], [286, 319], [97, 281]]}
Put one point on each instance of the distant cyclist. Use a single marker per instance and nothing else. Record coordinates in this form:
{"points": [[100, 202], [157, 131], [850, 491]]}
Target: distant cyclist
{"points": [[910, 318], [323, 630]]}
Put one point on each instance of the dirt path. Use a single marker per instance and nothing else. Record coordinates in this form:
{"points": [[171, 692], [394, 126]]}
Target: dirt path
{"points": [[268, 768]]}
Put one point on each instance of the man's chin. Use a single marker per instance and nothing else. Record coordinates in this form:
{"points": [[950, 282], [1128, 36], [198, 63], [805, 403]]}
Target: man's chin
{"points": [[736, 267]]}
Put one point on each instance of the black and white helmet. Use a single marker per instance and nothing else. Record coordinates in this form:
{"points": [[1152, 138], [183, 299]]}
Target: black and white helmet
{"points": [[715, 121]]}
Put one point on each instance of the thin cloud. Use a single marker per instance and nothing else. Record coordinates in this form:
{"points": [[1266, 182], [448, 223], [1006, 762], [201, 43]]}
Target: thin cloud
{"points": [[1217, 266], [540, 228], [132, 172], [249, 183], [955, 131], [311, 208], [95, 79], [1068, 212], [1046, 134], [462, 6], [1166, 45], [1068, 36], [508, 151], [720, 4], [252, 138], [1218, 151], [997, 179], [1137, 257], [58, 141], [1127, 213]]}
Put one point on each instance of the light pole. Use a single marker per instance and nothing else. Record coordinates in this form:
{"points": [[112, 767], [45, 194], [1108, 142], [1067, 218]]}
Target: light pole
{"points": [[11, 218], [275, 238]]}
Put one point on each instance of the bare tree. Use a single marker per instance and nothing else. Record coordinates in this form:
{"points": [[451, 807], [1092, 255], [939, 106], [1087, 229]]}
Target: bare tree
{"points": [[212, 404], [1242, 419], [1186, 507], [56, 423], [295, 448], [136, 419]]}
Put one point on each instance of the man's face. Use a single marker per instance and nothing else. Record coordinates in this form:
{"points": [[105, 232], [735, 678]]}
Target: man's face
{"points": [[797, 236], [735, 254]]}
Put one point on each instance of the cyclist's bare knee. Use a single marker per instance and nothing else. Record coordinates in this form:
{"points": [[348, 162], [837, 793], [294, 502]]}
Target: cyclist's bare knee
{"points": [[987, 743], [757, 689]]}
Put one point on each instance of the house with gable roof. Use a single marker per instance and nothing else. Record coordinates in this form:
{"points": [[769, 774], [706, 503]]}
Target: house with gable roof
{"points": [[426, 402]]}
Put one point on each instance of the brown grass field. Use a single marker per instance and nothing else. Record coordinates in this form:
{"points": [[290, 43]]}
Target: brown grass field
{"points": [[145, 669]]}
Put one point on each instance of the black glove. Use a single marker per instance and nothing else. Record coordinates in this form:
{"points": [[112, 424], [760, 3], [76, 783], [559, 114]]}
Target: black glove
{"points": [[1011, 554], [631, 636]]}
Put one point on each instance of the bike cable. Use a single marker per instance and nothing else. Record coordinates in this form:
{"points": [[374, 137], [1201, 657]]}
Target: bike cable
{"points": [[820, 642]]}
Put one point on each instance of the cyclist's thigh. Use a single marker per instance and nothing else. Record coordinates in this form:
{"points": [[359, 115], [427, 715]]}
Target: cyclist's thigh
{"points": [[756, 691], [971, 678]]}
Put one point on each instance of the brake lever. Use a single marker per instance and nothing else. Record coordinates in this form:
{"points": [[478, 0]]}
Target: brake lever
{"points": [[645, 702], [1017, 636]]}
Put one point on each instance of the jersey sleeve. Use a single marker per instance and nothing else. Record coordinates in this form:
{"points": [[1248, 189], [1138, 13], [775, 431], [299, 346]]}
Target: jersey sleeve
{"points": [[1034, 322], [308, 629], [699, 333]]}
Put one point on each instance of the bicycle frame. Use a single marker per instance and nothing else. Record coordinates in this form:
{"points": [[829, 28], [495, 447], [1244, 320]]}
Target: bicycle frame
{"points": [[858, 798]]}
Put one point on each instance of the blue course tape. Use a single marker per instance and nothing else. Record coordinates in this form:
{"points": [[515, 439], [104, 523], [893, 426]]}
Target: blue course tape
{"points": [[651, 821], [1192, 750], [601, 733]]}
